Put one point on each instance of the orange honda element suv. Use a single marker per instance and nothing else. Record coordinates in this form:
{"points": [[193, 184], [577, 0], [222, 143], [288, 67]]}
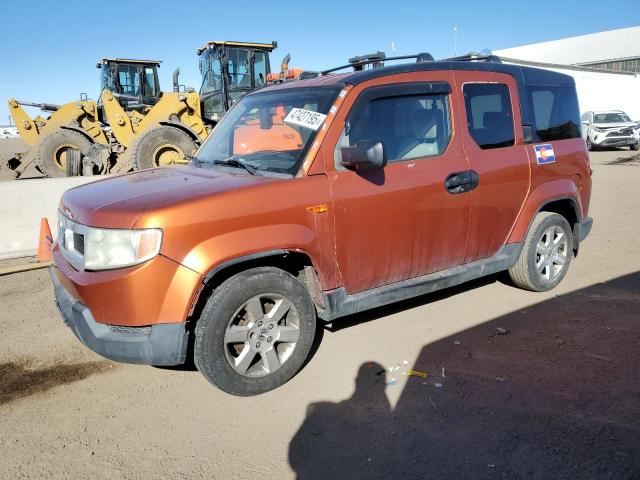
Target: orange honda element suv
{"points": [[320, 198]]}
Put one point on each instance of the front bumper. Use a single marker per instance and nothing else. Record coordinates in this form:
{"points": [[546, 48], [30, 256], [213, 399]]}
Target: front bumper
{"points": [[602, 141], [161, 344]]}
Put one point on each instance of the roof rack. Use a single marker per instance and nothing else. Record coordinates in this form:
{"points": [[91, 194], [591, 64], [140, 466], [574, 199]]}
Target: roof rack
{"points": [[375, 59], [361, 61], [474, 57]]}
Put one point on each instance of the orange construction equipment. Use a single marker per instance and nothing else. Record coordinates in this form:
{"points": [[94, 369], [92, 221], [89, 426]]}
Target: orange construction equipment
{"points": [[45, 241]]}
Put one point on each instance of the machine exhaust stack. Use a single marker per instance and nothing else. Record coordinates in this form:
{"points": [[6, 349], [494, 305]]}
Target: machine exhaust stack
{"points": [[176, 83]]}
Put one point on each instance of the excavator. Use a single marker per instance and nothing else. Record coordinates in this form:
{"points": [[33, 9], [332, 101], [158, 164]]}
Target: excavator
{"points": [[133, 124]]}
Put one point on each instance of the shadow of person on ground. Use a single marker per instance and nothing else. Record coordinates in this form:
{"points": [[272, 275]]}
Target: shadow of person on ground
{"points": [[346, 439], [548, 391]]}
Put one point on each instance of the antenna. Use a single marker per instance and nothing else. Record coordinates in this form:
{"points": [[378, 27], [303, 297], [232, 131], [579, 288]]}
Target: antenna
{"points": [[455, 41]]}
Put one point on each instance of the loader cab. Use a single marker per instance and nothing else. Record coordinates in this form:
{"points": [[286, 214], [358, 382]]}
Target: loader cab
{"points": [[134, 83], [230, 70]]}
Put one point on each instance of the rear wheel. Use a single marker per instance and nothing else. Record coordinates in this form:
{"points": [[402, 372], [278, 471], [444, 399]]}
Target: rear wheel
{"points": [[634, 147], [55, 152], [546, 255], [255, 332], [162, 146]]}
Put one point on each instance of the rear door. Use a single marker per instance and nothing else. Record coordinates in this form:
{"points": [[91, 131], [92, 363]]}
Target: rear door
{"points": [[493, 143], [398, 222]]}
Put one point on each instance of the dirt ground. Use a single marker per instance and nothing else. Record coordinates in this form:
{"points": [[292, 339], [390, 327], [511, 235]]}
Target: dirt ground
{"points": [[520, 384]]}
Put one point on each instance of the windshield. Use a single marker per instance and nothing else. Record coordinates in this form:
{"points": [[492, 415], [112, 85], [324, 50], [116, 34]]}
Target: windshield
{"points": [[269, 131], [211, 88], [614, 117], [106, 79]]}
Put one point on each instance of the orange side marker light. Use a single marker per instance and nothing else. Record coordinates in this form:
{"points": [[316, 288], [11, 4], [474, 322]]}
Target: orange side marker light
{"points": [[318, 209]]}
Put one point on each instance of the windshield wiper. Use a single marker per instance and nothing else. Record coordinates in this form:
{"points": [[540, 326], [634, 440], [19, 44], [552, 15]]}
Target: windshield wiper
{"points": [[193, 159], [235, 162]]}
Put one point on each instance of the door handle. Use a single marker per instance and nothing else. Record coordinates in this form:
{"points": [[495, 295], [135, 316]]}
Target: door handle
{"points": [[461, 182]]}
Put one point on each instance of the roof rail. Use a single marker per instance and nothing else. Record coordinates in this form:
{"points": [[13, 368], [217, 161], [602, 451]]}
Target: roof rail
{"points": [[474, 57], [375, 59]]}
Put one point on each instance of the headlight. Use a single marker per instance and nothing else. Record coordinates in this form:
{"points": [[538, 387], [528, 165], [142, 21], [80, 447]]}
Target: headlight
{"points": [[596, 129], [108, 248], [90, 248]]}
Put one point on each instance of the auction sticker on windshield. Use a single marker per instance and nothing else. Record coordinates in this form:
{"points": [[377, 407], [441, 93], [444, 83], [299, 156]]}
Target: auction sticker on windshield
{"points": [[305, 118]]}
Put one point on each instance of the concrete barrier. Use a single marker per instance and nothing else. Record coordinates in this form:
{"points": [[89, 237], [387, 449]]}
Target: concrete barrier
{"points": [[22, 204]]}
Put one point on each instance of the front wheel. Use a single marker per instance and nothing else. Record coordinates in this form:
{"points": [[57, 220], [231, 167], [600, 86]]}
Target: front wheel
{"points": [[546, 255], [634, 147], [59, 153], [161, 146], [255, 332]]}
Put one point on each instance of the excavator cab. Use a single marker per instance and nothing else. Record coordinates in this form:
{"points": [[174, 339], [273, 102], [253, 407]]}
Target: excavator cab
{"points": [[134, 83], [230, 70]]}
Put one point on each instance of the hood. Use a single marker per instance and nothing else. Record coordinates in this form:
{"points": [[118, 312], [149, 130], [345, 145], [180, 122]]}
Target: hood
{"points": [[118, 202]]}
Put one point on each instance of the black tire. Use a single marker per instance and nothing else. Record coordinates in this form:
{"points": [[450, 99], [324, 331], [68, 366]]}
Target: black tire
{"points": [[634, 147], [157, 146], [213, 356], [52, 152], [524, 273]]}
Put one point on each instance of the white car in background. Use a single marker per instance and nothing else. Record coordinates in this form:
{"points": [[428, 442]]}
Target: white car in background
{"points": [[611, 128]]}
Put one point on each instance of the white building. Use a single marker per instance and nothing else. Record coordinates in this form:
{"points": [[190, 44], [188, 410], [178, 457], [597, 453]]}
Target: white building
{"points": [[605, 65]]}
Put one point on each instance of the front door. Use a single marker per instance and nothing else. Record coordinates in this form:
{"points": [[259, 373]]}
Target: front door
{"points": [[400, 221]]}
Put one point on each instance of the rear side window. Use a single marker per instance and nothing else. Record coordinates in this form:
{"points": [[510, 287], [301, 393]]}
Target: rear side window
{"points": [[555, 112], [411, 126], [489, 114]]}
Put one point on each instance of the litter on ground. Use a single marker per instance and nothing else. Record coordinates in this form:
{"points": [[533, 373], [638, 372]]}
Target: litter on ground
{"points": [[500, 331]]}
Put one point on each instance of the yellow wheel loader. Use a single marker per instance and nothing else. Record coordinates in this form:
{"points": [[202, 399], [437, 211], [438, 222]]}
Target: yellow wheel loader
{"points": [[134, 125], [100, 132]]}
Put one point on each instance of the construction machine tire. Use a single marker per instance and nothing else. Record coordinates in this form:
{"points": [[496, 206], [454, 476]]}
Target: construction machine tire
{"points": [[52, 152], [161, 146]]}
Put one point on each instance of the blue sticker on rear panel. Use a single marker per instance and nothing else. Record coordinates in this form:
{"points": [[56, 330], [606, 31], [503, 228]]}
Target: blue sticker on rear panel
{"points": [[544, 153]]}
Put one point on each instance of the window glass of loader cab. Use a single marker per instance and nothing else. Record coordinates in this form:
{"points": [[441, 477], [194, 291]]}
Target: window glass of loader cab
{"points": [[408, 126], [150, 82], [129, 78], [489, 114]]}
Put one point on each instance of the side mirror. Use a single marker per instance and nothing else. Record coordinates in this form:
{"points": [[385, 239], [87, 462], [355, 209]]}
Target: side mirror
{"points": [[585, 122], [364, 155]]}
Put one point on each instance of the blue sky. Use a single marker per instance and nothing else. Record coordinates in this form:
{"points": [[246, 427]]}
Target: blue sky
{"points": [[48, 49]]}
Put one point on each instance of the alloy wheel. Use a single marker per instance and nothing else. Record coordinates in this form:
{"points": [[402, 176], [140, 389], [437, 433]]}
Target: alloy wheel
{"points": [[551, 253], [262, 335]]}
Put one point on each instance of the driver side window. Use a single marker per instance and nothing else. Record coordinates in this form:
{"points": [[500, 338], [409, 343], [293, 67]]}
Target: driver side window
{"points": [[411, 126]]}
